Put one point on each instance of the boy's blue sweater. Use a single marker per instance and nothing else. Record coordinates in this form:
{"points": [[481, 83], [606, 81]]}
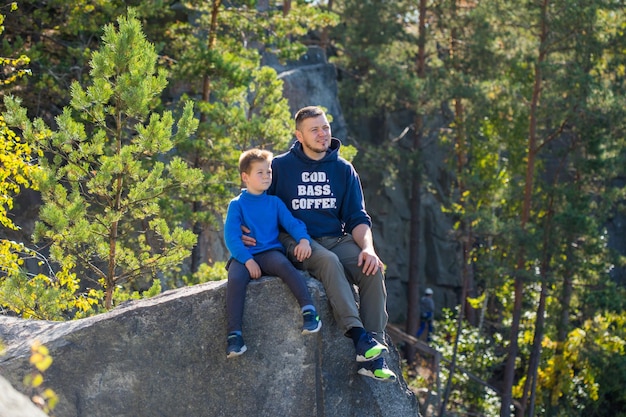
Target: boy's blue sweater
{"points": [[262, 214], [326, 194]]}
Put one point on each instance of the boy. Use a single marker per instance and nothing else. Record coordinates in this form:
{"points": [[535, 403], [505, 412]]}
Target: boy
{"points": [[262, 214]]}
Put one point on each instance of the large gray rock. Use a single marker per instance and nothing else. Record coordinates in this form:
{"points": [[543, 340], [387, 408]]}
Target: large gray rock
{"points": [[165, 356], [15, 404]]}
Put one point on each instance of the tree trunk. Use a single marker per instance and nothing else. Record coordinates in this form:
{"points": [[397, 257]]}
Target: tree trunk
{"points": [[415, 230], [206, 81], [533, 366], [324, 42], [198, 251], [509, 370], [561, 337], [459, 328], [533, 363], [530, 385], [466, 231]]}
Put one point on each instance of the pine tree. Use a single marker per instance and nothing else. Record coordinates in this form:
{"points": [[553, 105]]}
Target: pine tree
{"points": [[108, 168]]}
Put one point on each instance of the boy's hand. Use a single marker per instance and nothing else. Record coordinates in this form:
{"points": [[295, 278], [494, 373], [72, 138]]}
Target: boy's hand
{"points": [[253, 269], [302, 250], [247, 240]]}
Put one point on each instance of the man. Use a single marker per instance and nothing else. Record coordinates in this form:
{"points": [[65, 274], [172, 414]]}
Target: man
{"points": [[324, 191], [427, 313]]}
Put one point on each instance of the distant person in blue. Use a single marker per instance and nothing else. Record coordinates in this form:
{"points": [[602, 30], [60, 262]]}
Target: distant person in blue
{"points": [[324, 191], [427, 314], [262, 214]]}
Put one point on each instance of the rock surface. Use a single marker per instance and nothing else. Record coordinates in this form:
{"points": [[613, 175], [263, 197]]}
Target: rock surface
{"points": [[165, 356], [15, 404]]}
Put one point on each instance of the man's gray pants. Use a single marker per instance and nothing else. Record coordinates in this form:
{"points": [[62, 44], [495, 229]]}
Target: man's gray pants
{"points": [[333, 261]]}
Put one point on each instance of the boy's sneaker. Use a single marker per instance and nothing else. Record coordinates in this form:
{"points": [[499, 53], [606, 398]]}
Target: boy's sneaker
{"points": [[236, 346], [368, 348], [377, 369], [311, 322]]}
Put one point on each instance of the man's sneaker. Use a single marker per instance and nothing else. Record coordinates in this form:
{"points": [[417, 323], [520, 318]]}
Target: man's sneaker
{"points": [[311, 322], [377, 369], [368, 348], [236, 346]]}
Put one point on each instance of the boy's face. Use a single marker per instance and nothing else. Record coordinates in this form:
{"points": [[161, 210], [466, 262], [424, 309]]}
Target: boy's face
{"points": [[260, 177]]}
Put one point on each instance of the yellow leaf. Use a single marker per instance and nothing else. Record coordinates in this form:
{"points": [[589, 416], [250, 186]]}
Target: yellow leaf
{"points": [[35, 358], [43, 350], [44, 363], [37, 381], [476, 302]]}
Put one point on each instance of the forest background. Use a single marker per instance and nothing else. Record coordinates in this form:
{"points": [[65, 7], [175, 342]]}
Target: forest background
{"points": [[127, 124]]}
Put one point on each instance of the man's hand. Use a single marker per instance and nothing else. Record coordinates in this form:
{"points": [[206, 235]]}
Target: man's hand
{"points": [[302, 250], [247, 240], [253, 269], [368, 258], [370, 262]]}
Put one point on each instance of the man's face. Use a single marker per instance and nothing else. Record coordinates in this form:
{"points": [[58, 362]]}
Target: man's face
{"points": [[314, 134]]}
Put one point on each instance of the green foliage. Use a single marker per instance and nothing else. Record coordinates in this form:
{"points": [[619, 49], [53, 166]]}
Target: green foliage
{"points": [[36, 296], [348, 152], [59, 37], [251, 115], [476, 354], [206, 273], [108, 168], [52, 72], [564, 238], [377, 64], [482, 60], [155, 289], [52, 296], [580, 370]]}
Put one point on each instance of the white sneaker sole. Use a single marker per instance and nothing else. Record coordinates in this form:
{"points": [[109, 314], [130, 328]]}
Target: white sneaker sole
{"points": [[361, 358], [235, 354], [368, 373], [317, 329]]}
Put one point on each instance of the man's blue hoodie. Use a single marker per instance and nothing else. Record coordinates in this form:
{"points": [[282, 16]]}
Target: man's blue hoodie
{"points": [[326, 194]]}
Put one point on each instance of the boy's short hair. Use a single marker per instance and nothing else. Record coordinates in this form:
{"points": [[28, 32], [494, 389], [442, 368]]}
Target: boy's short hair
{"points": [[253, 155], [307, 113]]}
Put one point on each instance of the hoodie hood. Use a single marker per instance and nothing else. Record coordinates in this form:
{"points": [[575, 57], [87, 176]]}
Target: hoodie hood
{"points": [[332, 154]]}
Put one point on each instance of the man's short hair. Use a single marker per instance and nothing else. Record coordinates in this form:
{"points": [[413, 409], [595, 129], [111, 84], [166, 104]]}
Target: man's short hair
{"points": [[253, 155], [307, 113]]}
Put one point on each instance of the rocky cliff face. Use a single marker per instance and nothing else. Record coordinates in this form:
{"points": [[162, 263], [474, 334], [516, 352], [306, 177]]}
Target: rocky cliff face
{"points": [[165, 356]]}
